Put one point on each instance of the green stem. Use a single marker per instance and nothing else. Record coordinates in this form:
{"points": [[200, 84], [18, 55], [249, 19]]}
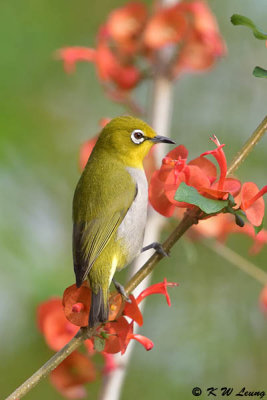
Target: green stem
{"points": [[45, 369], [238, 261], [248, 146]]}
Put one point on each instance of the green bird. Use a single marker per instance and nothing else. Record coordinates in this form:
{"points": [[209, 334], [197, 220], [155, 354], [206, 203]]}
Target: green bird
{"points": [[110, 208]]}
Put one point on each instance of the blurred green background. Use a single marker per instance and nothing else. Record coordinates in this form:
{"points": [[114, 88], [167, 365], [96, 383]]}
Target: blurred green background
{"points": [[214, 334]]}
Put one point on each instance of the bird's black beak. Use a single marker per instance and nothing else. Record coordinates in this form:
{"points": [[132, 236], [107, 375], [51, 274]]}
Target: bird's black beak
{"points": [[161, 139]]}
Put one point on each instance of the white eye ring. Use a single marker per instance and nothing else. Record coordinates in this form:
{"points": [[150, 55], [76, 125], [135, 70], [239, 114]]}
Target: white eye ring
{"points": [[137, 136]]}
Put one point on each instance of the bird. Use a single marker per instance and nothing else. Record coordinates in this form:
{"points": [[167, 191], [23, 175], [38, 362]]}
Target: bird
{"points": [[110, 209]]}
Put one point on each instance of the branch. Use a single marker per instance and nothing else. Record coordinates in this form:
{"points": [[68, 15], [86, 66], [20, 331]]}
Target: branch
{"points": [[51, 364], [188, 220], [248, 146], [238, 261]]}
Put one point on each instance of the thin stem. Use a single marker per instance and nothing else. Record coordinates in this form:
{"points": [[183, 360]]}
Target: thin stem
{"points": [[238, 261], [51, 364], [248, 146]]}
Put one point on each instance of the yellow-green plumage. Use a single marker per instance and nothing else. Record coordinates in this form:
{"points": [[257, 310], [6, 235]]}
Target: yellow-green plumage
{"points": [[110, 186]]}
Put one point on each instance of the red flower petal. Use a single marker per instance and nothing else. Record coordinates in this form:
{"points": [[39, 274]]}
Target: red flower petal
{"points": [[157, 197], [251, 203], [157, 288], [178, 152], [116, 305], [70, 376], [110, 363], [126, 77], [117, 331], [221, 160], [203, 43], [71, 55], [46, 308], [85, 151], [206, 166], [71, 297], [126, 23], [194, 177], [56, 329], [110, 69], [230, 185], [132, 311], [104, 121], [165, 27], [89, 344], [146, 342]]}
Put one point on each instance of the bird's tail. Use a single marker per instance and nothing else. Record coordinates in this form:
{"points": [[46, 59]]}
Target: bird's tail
{"points": [[99, 308]]}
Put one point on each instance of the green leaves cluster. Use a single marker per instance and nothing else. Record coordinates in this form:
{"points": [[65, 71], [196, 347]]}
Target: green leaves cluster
{"points": [[238, 19]]}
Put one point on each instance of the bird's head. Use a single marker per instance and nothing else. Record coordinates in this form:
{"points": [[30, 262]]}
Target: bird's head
{"points": [[129, 139]]}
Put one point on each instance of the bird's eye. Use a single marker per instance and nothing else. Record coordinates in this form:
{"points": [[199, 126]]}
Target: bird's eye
{"points": [[137, 136]]}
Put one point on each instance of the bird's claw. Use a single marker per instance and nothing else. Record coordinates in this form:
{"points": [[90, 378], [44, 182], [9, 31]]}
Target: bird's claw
{"points": [[121, 290], [158, 247]]}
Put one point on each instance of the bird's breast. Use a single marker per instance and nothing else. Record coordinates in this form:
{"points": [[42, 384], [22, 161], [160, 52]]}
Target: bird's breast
{"points": [[131, 229]]}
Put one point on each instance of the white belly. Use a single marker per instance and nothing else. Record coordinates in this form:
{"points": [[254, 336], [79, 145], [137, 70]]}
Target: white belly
{"points": [[131, 230]]}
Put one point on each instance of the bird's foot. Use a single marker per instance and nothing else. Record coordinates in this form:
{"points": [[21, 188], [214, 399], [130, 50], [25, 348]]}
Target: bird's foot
{"points": [[156, 246], [121, 290]]}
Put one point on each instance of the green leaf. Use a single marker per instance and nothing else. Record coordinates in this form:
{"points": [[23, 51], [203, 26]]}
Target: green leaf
{"points": [[238, 19], [257, 229], [99, 343], [260, 72], [189, 194]]}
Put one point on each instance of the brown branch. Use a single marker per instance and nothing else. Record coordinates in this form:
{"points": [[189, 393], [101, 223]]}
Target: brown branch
{"points": [[189, 219]]}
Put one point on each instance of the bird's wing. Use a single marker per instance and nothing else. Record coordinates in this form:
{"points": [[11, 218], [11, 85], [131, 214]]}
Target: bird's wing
{"points": [[90, 236]]}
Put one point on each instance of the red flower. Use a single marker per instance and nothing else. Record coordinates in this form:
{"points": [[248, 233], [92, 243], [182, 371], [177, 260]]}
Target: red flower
{"points": [[132, 310], [70, 376], [110, 364], [77, 303], [157, 196], [203, 42], [252, 202], [110, 68], [71, 55], [199, 173], [125, 25], [53, 324], [157, 288], [117, 333], [224, 186], [120, 333], [167, 26]]}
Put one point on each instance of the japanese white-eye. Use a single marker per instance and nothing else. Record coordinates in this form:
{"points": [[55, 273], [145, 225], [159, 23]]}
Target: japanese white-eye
{"points": [[110, 207]]}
